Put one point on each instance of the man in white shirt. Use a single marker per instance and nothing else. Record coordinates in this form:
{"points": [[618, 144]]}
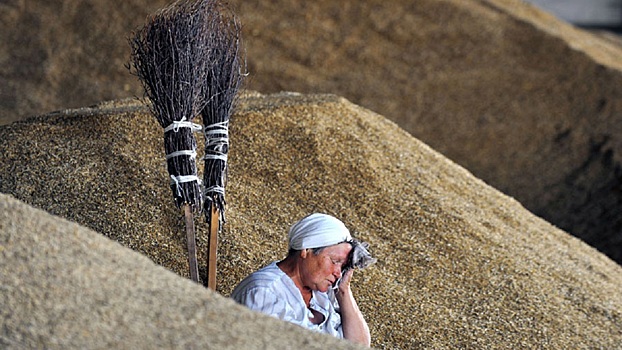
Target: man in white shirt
{"points": [[307, 287]]}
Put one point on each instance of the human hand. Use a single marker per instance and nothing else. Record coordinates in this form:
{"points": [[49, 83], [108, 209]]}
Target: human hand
{"points": [[344, 283]]}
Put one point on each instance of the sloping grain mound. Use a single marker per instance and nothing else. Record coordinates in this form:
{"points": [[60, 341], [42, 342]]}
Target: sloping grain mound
{"points": [[67, 287], [460, 264], [526, 102]]}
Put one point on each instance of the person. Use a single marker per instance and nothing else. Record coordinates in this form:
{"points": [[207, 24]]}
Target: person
{"points": [[308, 287]]}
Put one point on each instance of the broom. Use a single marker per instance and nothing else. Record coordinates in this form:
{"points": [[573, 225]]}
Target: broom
{"points": [[223, 81], [170, 57]]}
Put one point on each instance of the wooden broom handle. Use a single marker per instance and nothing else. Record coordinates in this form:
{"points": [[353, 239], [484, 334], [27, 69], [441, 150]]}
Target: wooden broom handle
{"points": [[212, 252], [191, 242]]}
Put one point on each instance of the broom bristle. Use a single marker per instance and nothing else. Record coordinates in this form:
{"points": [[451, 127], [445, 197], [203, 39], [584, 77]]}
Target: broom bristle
{"points": [[223, 81], [171, 57]]}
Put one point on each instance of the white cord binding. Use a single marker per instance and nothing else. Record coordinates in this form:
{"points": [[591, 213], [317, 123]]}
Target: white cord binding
{"points": [[177, 180], [192, 154], [221, 129], [217, 140], [183, 123]]}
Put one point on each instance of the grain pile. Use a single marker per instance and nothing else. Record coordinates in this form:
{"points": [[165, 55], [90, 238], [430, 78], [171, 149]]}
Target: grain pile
{"points": [[460, 264], [67, 287], [524, 101]]}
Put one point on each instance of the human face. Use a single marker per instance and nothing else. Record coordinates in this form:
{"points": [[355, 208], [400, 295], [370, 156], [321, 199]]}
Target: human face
{"points": [[320, 272]]}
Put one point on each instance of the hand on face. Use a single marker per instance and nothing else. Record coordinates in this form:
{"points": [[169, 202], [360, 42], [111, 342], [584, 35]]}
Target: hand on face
{"points": [[324, 269], [344, 285]]}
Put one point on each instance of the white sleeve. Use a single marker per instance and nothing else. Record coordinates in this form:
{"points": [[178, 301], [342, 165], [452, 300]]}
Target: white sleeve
{"points": [[265, 301]]}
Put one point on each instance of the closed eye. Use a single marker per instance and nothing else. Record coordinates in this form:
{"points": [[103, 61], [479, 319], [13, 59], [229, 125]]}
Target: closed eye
{"points": [[336, 262]]}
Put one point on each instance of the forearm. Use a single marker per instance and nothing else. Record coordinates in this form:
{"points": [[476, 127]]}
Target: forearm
{"points": [[353, 323]]}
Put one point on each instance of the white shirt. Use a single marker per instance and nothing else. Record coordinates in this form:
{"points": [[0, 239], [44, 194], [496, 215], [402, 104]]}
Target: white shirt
{"points": [[270, 291]]}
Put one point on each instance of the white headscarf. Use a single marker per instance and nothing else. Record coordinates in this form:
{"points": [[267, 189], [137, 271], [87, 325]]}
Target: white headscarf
{"points": [[317, 230]]}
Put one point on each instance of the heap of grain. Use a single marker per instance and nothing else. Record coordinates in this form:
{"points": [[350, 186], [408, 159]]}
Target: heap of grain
{"points": [[460, 264], [526, 102]]}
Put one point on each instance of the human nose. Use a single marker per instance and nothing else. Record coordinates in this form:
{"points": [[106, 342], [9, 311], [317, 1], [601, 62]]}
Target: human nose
{"points": [[337, 271]]}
